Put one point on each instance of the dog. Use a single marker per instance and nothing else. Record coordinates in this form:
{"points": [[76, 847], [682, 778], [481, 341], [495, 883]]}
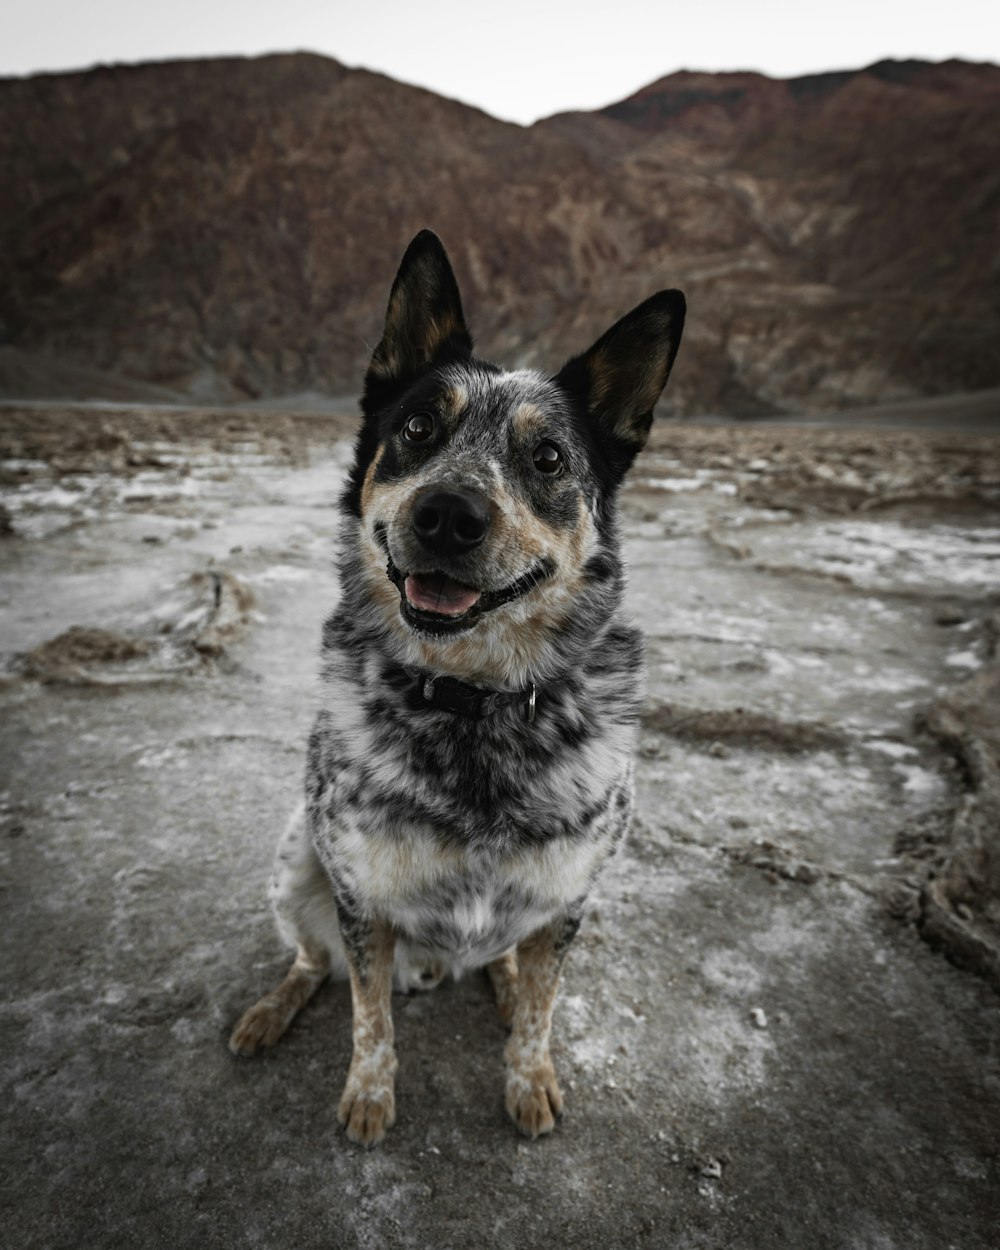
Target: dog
{"points": [[470, 768]]}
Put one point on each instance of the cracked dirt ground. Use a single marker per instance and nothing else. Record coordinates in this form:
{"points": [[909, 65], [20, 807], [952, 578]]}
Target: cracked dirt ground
{"points": [[762, 1036]]}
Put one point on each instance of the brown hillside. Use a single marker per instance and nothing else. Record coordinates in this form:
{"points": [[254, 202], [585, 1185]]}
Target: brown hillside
{"points": [[229, 228]]}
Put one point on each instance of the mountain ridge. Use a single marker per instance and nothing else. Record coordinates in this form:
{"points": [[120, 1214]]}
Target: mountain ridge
{"points": [[228, 228]]}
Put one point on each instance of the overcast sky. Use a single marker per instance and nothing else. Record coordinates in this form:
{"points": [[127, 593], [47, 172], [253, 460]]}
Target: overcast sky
{"points": [[518, 59]]}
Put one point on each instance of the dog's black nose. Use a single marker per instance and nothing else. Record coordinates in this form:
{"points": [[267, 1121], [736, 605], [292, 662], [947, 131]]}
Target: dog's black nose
{"points": [[450, 522]]}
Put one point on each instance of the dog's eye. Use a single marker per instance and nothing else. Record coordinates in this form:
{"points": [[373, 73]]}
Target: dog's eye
{"points": [[547, 458], [419, 427]]}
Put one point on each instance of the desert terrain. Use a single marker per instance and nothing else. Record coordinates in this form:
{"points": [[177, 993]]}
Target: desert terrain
{"points": [[779, 1025]]}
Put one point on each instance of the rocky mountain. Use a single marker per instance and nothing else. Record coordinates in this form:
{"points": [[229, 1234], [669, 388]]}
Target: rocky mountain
{"points": [[228, 229]]}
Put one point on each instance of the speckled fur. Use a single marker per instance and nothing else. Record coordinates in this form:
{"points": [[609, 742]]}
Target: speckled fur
{"points": [[427, 838]]}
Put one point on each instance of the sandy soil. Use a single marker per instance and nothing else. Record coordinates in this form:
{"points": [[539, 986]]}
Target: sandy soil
{"points": [[763, 1036]]}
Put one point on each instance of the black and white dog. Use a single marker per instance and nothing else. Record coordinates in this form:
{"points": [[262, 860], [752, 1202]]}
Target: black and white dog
{"points": [[471, 764]]}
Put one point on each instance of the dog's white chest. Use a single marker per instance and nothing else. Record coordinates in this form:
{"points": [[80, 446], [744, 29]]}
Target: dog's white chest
{"points": [[467, 904]]}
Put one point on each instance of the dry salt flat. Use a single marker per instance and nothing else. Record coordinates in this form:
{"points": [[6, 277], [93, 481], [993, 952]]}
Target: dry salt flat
{"points": [[779, 1026]]}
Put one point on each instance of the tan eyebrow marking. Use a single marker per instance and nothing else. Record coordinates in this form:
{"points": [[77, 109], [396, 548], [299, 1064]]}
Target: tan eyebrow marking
{"points": [[528, 419], [367, 485], [454, 400]]}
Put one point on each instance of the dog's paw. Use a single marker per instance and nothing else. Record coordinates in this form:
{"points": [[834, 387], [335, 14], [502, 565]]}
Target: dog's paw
{"points": [[368, 1104], [262, 1025], [367, 1113], [534, 1100]]}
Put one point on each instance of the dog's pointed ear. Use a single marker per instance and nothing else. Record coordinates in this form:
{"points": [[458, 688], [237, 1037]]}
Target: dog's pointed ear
{"points": [[424, 323], [620, 378]]}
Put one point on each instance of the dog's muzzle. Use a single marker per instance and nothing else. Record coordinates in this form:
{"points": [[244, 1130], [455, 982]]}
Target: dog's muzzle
{"points": [[436, 603]]}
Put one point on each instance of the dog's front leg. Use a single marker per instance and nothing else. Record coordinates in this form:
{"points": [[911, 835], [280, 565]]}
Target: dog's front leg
{"points": [[533, 1095], [368, 1105]]}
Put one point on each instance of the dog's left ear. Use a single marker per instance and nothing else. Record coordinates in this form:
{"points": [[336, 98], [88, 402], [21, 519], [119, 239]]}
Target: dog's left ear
{"points": [[620, 378], [424, 324]]}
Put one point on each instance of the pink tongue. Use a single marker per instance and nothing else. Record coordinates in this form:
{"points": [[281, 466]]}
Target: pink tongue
{"points": [[433, 592]]}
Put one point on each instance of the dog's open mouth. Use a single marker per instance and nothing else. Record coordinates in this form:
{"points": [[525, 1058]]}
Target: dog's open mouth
{"points": [[439, 594], [436, 603]]}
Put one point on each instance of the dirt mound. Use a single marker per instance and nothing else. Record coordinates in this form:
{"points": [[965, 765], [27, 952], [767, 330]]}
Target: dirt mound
{"points": [[740, 727], [961, 899], [209, 622], [71, 656], [228, 603]]}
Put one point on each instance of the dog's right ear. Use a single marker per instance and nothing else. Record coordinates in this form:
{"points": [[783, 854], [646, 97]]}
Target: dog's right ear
{"points": [[424, 324]]}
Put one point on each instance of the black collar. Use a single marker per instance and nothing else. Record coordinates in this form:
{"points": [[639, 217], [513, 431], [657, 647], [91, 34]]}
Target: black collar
{"points": [[430, 692]]}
